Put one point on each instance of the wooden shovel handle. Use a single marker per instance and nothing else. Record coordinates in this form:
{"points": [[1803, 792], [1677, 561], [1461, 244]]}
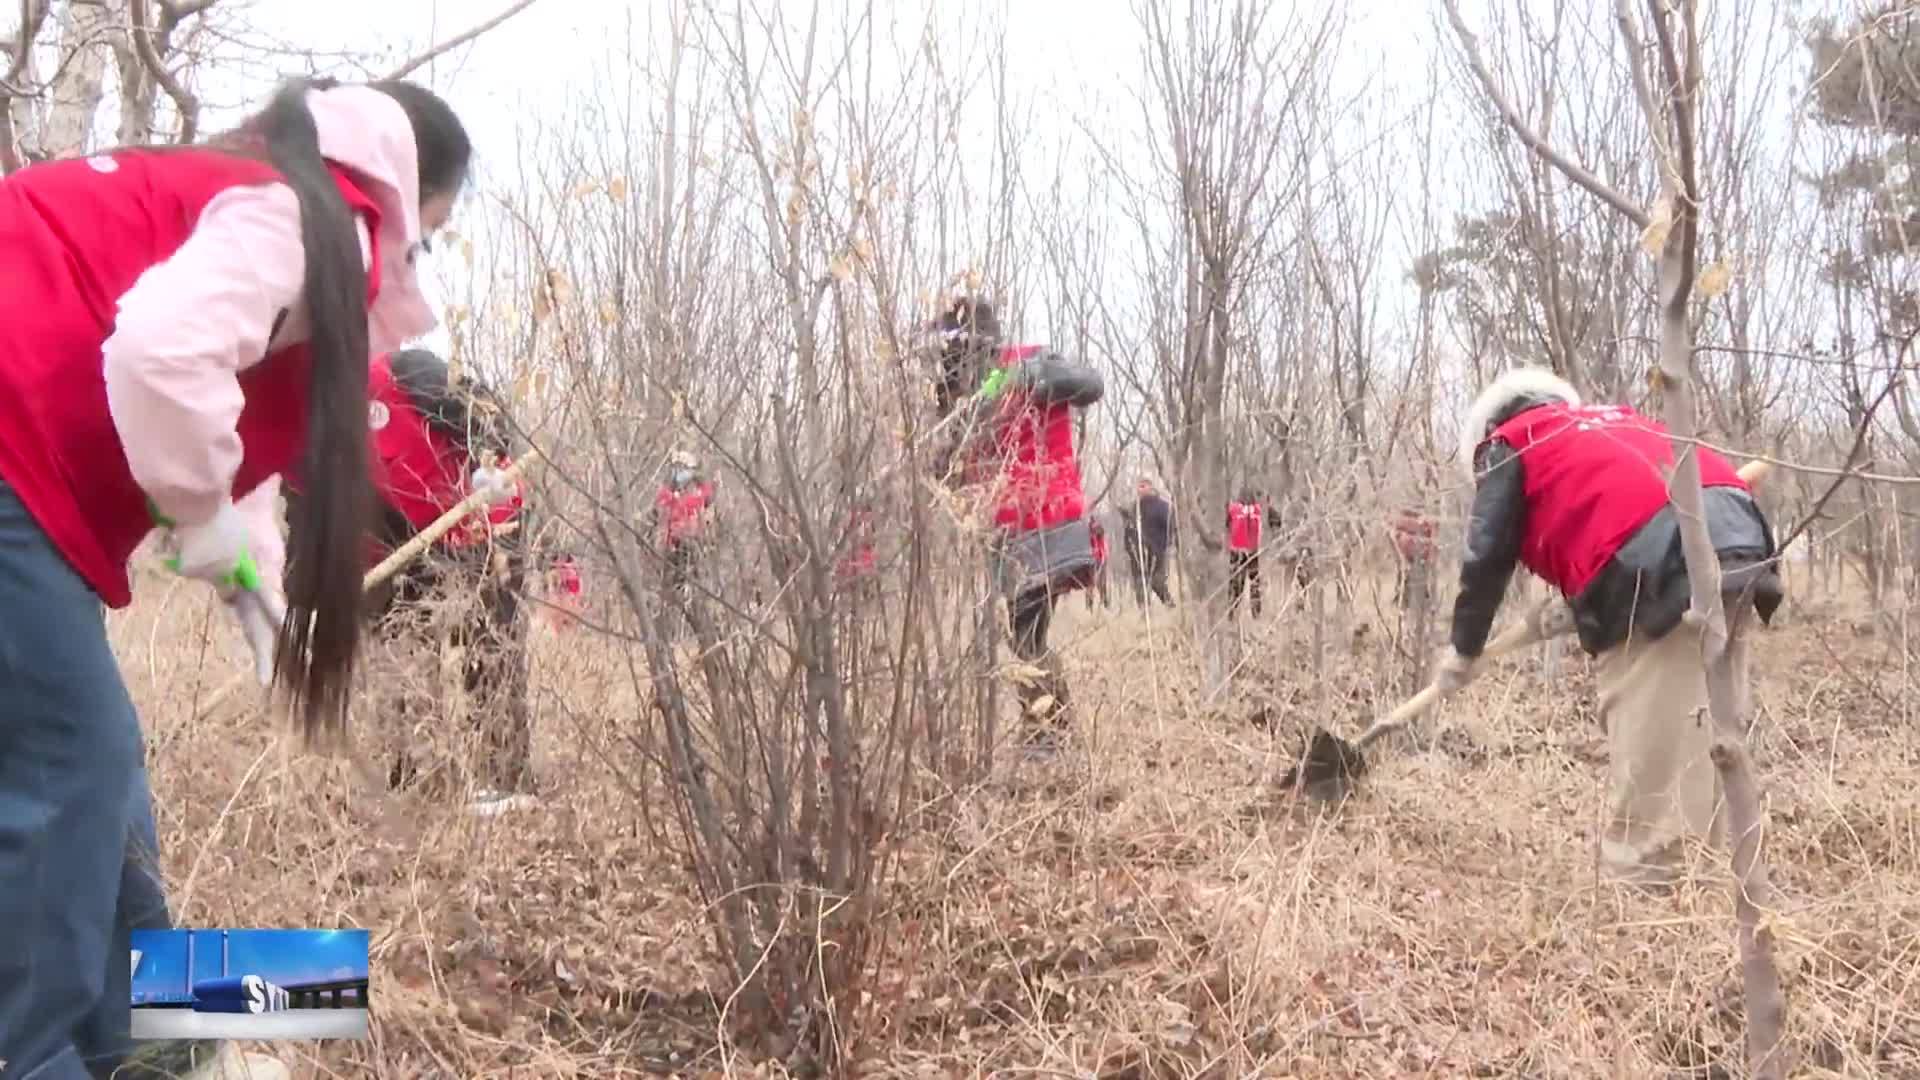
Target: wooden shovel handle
{"points": [[386, 568]]}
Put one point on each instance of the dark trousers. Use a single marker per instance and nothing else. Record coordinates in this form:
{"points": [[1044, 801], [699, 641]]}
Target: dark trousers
{"points": [[1099, 587], [78, 850], [493, 639], [682, 562], [1029, 617], [493, 635], [1150, 573], [1243, 578]]}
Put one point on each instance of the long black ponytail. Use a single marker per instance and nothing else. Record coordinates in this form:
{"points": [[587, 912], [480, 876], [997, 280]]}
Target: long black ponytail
{"points": [[320, 641]]}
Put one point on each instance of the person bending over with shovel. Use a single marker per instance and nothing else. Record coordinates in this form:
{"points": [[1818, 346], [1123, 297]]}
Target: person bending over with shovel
{"points": [[186, 324], [1014, 439], [436, 437], [1578, 494]]}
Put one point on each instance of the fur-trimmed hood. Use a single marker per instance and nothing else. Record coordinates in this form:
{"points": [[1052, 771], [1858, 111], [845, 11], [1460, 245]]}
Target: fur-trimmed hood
{"points": [[1496, 404]]}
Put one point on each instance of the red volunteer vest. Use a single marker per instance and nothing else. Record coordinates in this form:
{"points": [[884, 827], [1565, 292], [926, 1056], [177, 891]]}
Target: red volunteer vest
{"points": [[418, 469], [862, 560], [680, 511], [1243, 526], [75, 235], [566, 579], [1039, 476], [1594, 474], [1412, 536]]}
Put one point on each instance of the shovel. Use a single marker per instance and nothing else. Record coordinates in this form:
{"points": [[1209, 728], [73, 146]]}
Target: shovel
{"points": [[389, 566], [1331, 763]]}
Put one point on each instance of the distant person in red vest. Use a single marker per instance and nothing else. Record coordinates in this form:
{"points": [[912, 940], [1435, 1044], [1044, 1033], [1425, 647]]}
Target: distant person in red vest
{"points": [[1245, 516], [184, 326], [1098, 529], [1578, 494], [682, 519], [437, 438], [566, 592], [1413, 534], [858, 569], [1015, 441]]}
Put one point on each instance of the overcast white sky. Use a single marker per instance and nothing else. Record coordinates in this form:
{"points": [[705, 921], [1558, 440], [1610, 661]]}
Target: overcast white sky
{"points": [[1080, 60], [1081, 55]]}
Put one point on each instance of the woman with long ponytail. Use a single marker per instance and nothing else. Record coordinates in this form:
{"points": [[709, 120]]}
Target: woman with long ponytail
{"points": [[186, 326]]}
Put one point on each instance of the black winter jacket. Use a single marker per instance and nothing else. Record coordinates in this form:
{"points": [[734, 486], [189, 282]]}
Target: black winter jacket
{"points": [[1156, 523], [1642, 589]]}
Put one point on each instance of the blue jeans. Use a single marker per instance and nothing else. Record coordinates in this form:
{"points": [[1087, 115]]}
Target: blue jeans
{"points": [[78, 850]]}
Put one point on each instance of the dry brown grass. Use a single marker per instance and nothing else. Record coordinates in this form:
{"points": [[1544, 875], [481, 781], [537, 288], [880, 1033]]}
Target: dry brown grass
{"points": [[1158, 915]]}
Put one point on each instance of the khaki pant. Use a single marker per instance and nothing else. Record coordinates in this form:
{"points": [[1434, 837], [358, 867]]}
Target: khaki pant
{"points": [[1664, 790]]}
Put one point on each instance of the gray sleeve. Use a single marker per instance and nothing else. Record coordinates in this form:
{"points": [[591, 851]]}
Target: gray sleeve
{"points": [[1053, 379]]}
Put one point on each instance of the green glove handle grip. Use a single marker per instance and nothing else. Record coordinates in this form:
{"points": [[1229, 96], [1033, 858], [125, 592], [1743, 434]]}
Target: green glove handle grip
{"points": [[245, 574], [995, 382]]}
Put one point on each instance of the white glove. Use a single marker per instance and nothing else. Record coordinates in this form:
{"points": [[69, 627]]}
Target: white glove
{"points": [[1454, 672], [495, 483], [215, 551], [260, 613], [1551, 619]]}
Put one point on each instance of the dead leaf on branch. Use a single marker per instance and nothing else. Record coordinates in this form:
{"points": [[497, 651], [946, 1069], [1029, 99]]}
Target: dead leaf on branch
{"points": [[1023, 674], [617, 188], [553, 291], [1715, 279], [1653, 239], [460, 243]]}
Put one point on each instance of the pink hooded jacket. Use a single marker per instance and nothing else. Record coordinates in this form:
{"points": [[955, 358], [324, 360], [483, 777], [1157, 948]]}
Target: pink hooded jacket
{"points": [[193, 322]]}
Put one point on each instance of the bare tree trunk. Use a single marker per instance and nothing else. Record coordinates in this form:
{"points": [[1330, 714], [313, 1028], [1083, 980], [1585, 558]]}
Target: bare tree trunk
{"points": [[1671, 117], [87, 31]]}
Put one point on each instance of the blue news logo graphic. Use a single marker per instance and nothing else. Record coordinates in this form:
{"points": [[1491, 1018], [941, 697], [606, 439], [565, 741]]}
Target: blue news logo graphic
{"points": [[239, 994], [249, 971]]}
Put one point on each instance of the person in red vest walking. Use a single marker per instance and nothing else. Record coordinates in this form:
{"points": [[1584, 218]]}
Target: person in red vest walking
{"points": [[1413, 534], [437, 437], [1015, 440], [1578, 494], [1097, 529], [186, 325], [1245, 516], [682, 516], [566, 592]]}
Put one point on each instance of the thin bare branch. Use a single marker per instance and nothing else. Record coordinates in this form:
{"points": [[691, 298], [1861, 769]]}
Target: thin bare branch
{"points": [[1573, 170], [454, 42]]}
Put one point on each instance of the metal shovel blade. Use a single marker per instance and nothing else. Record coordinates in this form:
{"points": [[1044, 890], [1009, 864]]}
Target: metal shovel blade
{"points": [[1327, 765]]}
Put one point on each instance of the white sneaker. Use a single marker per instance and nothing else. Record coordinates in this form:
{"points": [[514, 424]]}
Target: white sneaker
{"points": [[231, 1063], [491, 803]]}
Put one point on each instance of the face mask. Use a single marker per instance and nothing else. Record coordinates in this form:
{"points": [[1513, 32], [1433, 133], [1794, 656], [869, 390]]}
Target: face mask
{"points": [[681, 477]]}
